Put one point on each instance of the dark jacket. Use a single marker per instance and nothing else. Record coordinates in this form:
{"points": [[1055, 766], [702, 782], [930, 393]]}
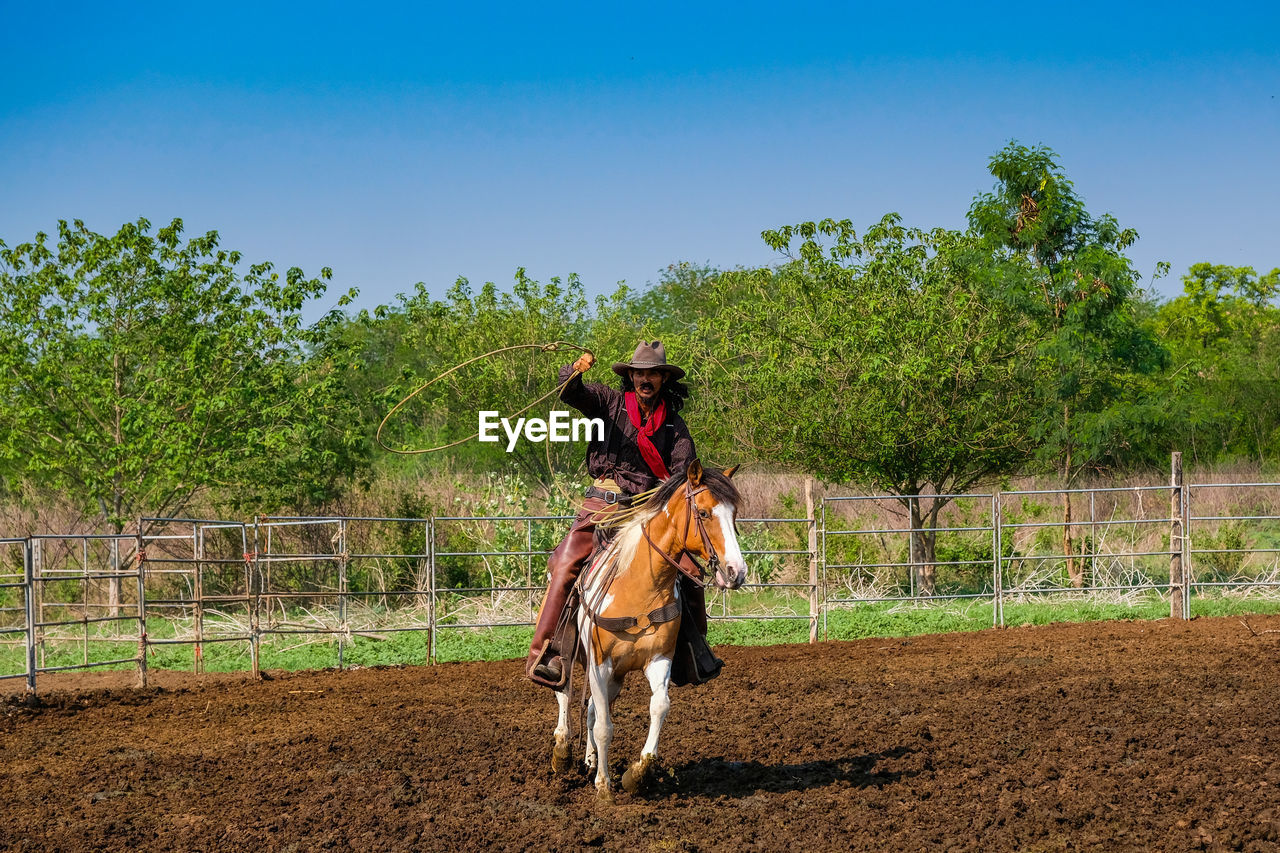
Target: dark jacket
{"points": [[618, 455]]}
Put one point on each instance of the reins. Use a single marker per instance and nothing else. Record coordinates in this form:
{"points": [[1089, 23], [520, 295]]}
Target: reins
{"points": [[713, 560]]}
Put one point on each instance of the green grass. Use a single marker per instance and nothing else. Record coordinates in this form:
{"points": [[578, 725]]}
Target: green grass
{"points": [[300, 652]]}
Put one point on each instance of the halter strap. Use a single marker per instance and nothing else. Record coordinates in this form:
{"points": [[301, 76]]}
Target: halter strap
{"points": [[675, 563]]}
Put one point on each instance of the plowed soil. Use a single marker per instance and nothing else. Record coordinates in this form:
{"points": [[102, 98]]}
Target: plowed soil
{"points": [[1104, 736]]}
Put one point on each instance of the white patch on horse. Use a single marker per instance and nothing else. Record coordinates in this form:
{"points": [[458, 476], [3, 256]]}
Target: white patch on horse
{"points": [[733, 552]]}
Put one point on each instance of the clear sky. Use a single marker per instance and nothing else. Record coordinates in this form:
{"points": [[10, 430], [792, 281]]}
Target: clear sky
{"points": [[416, 142]]}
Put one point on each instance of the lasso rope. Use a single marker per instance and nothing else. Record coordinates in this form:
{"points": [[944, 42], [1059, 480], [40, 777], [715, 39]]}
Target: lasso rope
{"points": [[607, 519], [551, 347]]}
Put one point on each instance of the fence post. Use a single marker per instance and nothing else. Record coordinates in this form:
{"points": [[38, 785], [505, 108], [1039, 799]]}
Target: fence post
{"points": [[253, 589], [813, 559], [197, 591], [28, 579], [37, 605], [343, 629], [1177, 573], [528, 566], [140, 560], [430, 531], [1188, 570], [997, 561]]}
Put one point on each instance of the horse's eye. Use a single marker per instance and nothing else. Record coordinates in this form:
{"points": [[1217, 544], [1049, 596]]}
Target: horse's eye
{"points": [[702, 513]]}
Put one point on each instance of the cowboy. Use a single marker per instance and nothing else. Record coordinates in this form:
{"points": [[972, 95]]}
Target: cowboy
{"points": [[644, 440]]}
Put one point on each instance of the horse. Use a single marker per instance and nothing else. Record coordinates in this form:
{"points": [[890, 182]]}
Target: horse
{"points": [[629, 615]]}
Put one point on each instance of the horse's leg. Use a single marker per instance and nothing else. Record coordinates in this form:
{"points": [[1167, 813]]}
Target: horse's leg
{"points": [[584, 640], [659, 674], [590, 758], [562, 752], [600, 676]]}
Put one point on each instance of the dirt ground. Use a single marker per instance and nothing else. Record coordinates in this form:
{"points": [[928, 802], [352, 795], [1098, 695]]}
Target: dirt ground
{"points": [[1103, 736]]}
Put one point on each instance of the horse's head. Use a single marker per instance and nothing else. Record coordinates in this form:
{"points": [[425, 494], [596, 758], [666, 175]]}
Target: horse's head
{"points": [[712, 534]]}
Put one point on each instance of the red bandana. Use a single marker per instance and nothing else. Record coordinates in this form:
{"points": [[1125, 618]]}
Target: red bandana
{"points": [[650, 453]]}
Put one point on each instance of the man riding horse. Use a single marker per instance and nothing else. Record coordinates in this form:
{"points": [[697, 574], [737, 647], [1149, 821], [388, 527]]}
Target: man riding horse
{"points": [[644, 440]]}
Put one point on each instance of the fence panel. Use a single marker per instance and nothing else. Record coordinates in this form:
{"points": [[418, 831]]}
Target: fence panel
{"points": [[1118, 544], [491, 571], [83, 603], [301, 580], [921, 549], [86, 601], [778, 582], [15, 617], [1234, 539], [198, 588]]}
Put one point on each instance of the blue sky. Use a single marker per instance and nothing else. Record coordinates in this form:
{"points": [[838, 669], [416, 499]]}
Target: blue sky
{"points": [[409, 143]]}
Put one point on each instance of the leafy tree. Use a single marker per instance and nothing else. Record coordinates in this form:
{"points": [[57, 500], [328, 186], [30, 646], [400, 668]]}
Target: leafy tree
{"points": [[1079, 290], [137, 370], [1224, 333], [876, 359]]}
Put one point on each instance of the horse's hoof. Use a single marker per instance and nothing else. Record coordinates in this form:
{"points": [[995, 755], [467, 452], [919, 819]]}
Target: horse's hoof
{"points": [[604, 796], [637, 774], [561, 760]]}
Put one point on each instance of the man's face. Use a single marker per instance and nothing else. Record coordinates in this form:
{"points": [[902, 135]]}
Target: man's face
{"points": [[648, 384]]}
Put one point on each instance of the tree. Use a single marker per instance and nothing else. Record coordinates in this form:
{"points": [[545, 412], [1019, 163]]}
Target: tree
{"points": [[1078, 289], [877, 359], [1224, 333], [403, 346], [137, 371]]}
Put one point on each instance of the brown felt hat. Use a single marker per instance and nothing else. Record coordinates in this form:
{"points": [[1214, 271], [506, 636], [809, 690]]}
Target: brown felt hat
{"points": [[649, 356]]}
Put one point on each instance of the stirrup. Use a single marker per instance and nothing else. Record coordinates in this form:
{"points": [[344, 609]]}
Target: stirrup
{"points": [[545, 672], [694, 662], [550, 671]]}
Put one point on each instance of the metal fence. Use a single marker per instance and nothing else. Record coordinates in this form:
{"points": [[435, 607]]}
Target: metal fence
{"points": [[83, 601]]}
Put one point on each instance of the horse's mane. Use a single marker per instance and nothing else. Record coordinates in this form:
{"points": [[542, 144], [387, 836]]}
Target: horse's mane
{"points": [[722, 489]]}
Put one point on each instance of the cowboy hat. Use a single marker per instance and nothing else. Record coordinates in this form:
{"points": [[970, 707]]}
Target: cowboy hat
{"points": [[649, 356]]}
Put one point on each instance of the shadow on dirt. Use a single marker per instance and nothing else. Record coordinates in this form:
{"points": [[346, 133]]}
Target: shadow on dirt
{"points": [[718, 778]]}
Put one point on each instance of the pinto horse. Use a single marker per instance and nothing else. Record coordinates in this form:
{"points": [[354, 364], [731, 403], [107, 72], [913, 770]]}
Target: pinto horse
{"points": [[630, 613]]}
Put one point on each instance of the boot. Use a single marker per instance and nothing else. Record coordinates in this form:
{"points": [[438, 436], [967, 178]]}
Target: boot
{"points": [[551, 640], [694, 662], [549, 671]]}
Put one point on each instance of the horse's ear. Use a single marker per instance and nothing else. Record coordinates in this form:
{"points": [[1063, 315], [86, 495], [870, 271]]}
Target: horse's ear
{"points": [[731, 470], [695, 473]]}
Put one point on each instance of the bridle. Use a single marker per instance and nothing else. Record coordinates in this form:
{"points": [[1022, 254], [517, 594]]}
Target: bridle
{"points": [[691, 517]]}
